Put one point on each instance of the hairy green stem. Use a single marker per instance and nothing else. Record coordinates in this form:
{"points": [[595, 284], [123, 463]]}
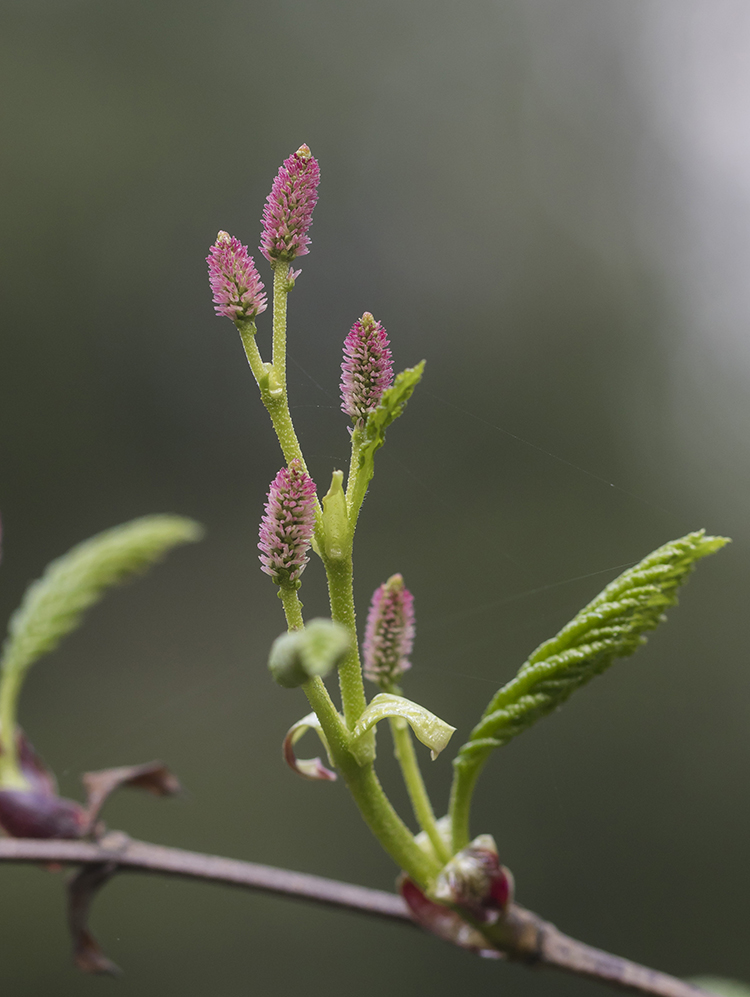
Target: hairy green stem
{"points": [[420, 801], [339, 573], [280, 291], [354, 493], [464, 781], [292, 607], [10, 688], [368, 794], [272, 385]]}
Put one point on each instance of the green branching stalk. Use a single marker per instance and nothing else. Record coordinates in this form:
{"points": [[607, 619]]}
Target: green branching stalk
{"points": [[611, 626], [363, 783], [271, 380], [54, 604]]}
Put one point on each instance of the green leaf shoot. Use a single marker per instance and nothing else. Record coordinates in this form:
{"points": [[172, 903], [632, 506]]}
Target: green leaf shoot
{"points": [[611, 626], [54, 605], [366, 441]]}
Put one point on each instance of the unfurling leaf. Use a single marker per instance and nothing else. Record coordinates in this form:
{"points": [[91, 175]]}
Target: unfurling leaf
{"points": [[302, 654], [309, 768], [429, 729], [372, 436], [611, 626]]}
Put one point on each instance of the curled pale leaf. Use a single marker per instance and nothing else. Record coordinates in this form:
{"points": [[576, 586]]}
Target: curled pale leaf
{"points": [[429, 729], [309, 768]]}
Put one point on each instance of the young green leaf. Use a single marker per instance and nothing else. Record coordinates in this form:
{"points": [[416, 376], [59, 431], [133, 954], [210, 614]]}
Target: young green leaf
{"points": [[369, 439], [301, 654], [611, 626], [55, 603]]}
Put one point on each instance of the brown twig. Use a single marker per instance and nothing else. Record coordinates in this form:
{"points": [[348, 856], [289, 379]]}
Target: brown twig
{"points": [[528, 938]]}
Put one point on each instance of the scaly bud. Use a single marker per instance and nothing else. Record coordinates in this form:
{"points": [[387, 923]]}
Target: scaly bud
{"points": [[367, 370], [35, 814], [287, 526], [443, 921], [34, 810], [238, 290], [475, 881], [287, 215], [389, 634]]}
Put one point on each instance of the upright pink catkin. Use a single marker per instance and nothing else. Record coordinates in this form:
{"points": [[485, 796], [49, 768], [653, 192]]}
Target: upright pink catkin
{"points": [[287, 525], [287, 214], [237, 288], [389, 634], [367, 369]]}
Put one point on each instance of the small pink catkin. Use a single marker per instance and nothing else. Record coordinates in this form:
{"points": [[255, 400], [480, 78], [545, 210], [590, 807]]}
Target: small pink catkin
{"points": [[389, 634], [287, 214], [287, 525], [237, 288], [367, 369]]}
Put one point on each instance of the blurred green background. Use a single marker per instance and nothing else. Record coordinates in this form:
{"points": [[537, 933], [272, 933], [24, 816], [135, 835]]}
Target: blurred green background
{"points": [[547, 199]]}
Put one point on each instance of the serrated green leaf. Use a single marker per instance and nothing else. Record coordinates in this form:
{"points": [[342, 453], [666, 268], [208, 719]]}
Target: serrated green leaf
{"points": [[55, 603], [611, 626]]}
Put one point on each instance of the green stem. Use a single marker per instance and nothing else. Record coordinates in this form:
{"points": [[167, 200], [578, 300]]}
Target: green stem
{"points": [[374, 805], [420, 801], [464, 781], [271, 381], [292, 607], [339, 573], [280, 291], [247, 330], [10, 687], [356, 485]]}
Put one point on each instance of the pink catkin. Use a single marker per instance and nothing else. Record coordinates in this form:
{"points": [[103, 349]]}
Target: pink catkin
{"points": [[287, 214], [389, 634], [287, 525], [237, 288], [367, 370]]}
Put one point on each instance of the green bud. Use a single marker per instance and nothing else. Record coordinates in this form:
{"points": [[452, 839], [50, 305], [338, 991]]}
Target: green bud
{"points": [[336, 518], [302, 654]]}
